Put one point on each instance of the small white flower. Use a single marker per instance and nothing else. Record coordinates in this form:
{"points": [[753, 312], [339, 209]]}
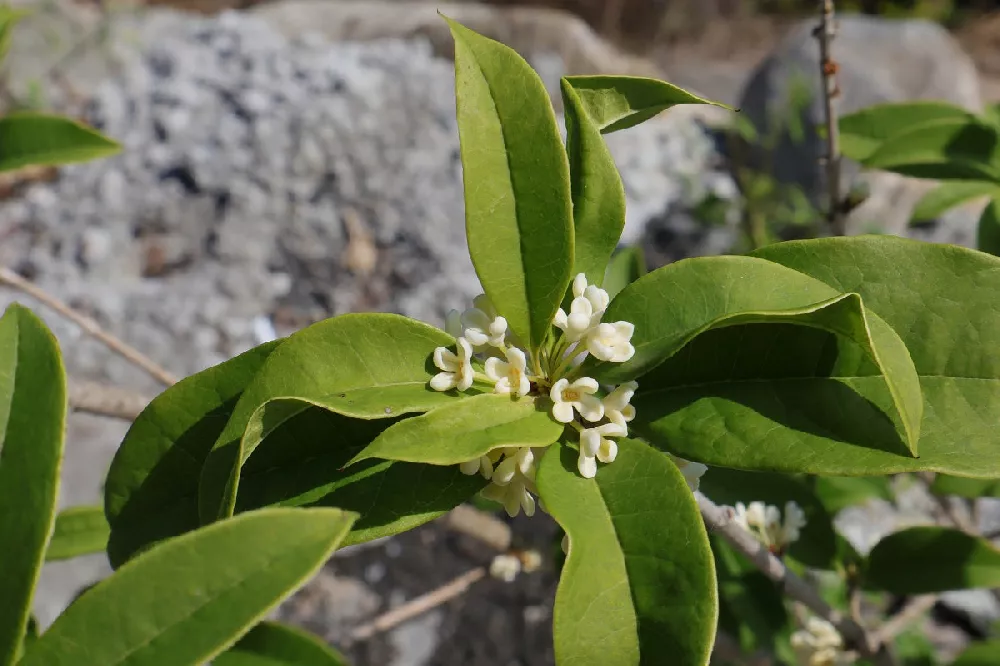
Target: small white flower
{"points": [[531, 561], [514, 495], [505, 567], [579, 320], [765, 523], [616, 403], [795, 520], [511, 375], [819, 644], [577, 396], [483, 326], [515, 460], [595, 445], [691, 471], [483, 465], [456, 369], [611, 342]]}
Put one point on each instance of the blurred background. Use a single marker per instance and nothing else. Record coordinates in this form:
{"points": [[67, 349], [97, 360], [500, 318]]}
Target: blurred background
{"points": [[290, 160]]}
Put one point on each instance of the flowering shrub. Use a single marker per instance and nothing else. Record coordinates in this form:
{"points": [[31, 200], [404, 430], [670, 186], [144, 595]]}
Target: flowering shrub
{"points": [[789, 375]]}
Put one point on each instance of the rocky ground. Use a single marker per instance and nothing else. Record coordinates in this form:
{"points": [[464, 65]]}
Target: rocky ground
{"points": [[270, 180]]}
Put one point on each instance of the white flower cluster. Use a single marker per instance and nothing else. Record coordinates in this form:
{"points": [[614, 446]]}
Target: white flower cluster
{"points": [[507, 566], [819, 644], [765, 522], [598, 414]]}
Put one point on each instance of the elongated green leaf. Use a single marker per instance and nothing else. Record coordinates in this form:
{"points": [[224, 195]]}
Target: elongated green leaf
{"points": [[864, 131], [963, 487], [817, 545], [275, 644], [518, 204], [598, 193], [187, 599], [360, 365], [302, 463], [626, 266], [638, 585], [948, 149], [920, 560], [840, 492], [80, 530], [949, 194], [619, 102], [32, 138], [151, 492], [980, 654], [941, 300], [32, 419], [988, 231], [671, 306], [466, 430]]}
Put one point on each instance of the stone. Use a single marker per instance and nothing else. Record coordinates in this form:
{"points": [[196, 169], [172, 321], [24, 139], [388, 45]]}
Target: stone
{"points": [[879, 60]]}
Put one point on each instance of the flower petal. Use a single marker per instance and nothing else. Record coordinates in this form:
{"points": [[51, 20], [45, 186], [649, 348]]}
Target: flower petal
{"points": [[495, 368], [443, 381], [587, 466], [561, 411], [590, 408], [469, 467]]}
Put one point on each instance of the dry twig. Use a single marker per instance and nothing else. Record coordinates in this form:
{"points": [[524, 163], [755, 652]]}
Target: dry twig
{"points": [[102, 400], [824, 33], [911, 612]]}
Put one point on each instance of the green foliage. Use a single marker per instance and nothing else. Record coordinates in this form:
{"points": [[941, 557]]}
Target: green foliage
{"points": [[32, 138], [922, 560], [980, 654], [840, 492], [275, 644], [80, 530]]}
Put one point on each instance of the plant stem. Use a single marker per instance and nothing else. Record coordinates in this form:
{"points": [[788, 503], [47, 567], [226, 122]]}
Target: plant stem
{"points": [[824, 33]]}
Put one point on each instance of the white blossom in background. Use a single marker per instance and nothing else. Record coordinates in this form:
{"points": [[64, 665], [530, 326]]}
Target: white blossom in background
{"points": [[691, 471], [765, 522], [505, 567], [819, 644]]}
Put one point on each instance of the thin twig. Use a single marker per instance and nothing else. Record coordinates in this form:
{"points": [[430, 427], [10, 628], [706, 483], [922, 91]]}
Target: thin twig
{"points": [[720, 520], [912, 611], [102, 400], [133, 355], [825, 33], [418, 606]]}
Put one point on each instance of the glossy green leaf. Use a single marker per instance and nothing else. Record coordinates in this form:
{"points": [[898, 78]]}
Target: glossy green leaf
{"points": [[864, 131], [673, 305], [367, 366], [980, 654], [466, 430], [964, 487], [751, 606], [32, 419], [276, 644], [597, 190], [80, 530], [626, 266], [921, 560], [941, 300], [185, 600], [518, 204], [151, 491], [949, 149], [840, 492], [619, 102], [638, 585], [303, 463], [817, 546], [36, 139], [988, 230], [949, 194]]}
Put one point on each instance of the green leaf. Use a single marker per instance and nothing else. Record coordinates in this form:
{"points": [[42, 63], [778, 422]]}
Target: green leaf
{"points": [[275, 644], [466, 430], [949, 149], [638, 585], [619, 102], [941, 300], [817, 545], [864, 131], [187, 599], [35, 139], [949, 194], [80, 530], [963, 487], [597, 190], [151, 492], [920, 560], [518, 205], [626, 266], [32, 419], [980, 654], [673, 305], [840, 492], [367, 366], [988, 231], [302, 463]]}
